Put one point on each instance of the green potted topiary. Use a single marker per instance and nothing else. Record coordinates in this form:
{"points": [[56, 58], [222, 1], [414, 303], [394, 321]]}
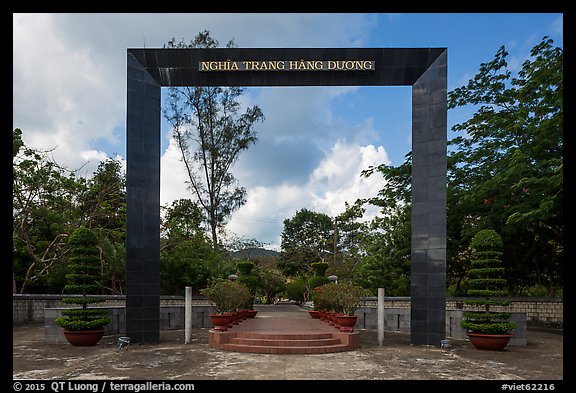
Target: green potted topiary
{"points": [[83, 326], [487, 328]]}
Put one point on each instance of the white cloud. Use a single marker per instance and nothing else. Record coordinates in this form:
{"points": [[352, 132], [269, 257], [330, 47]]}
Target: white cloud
{"points": [[263, 214], [64, 96], [335, 181], [69, 93], [173, 176], [69, 73]]}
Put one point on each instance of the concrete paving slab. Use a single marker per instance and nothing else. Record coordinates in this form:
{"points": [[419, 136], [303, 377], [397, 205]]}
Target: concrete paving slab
{"points": [[173, 360]]}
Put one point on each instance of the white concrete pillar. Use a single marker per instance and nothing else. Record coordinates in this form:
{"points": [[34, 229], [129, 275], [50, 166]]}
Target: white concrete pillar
{"points": [[188, 316], [380, 316]]}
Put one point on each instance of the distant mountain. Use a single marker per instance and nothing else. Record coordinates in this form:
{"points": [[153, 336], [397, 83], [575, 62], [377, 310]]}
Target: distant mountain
{"points": [[253, 253]]}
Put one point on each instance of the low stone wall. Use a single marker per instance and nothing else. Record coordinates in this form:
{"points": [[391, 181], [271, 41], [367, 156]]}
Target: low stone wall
{"points": [[398, 320], [540, 312], [171, 318], [30, 308], [525, 312]]}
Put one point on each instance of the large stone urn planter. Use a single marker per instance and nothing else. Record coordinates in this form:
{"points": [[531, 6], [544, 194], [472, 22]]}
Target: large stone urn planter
{"points": [[489, 342], [220, 321], [346, 322], [83, 338]]}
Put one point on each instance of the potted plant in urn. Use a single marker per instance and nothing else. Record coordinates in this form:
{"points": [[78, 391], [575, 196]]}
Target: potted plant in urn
{"points": [[486, 327], [83, 326], [348, 298], [226, 297], [323, 298]]}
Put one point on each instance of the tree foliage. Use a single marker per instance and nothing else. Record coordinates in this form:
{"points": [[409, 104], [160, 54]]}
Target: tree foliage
{"points": [[307, 237], [186, 254], [272, 283], [49, 203], [506, 171], [319, 277], [386, 258], [211, 132], [351, 231], [103, 208], [247, 277], [44, 211]]}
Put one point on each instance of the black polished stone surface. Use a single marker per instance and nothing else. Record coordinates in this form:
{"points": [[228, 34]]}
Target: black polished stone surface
{"points": [[142, 205], [425, 69], [429, 182], [394, 66]]}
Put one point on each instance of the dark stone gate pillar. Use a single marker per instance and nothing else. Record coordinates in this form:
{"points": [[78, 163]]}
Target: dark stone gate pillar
{"points": [[142, 205], [428, 275]]}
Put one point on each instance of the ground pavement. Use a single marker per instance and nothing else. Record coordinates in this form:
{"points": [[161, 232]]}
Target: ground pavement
{"points": [[396, 360]]}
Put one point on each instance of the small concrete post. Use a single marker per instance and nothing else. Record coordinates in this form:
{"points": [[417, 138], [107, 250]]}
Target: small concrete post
{"points": [[380, 316], [188, 316]]}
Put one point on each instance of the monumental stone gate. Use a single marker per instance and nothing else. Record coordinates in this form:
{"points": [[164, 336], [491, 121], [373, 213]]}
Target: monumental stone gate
{"points": [[425, 69]]}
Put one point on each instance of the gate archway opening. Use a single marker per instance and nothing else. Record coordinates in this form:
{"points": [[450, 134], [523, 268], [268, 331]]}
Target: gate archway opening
{"points": [[424, 69]]}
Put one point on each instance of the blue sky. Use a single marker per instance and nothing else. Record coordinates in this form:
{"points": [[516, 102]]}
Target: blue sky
{"points": [[69, 94]]}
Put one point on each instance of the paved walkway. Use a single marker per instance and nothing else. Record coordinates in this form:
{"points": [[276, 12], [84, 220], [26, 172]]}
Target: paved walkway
{"points": [[396, 359], [283, 318], [287, 330]]}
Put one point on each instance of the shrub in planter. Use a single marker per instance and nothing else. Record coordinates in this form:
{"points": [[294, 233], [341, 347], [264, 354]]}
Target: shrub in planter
{"points": [[83, 277], [486, 287], [323, 297], [226, 296], [349, 296], [341, 300]]}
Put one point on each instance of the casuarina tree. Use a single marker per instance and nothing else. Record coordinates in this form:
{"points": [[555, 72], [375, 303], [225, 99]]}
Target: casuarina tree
{"points": [[211, 130]]}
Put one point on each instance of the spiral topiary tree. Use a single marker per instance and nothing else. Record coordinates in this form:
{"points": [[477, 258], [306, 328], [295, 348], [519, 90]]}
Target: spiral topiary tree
{"points": [[486, 287], [83, 278]]}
